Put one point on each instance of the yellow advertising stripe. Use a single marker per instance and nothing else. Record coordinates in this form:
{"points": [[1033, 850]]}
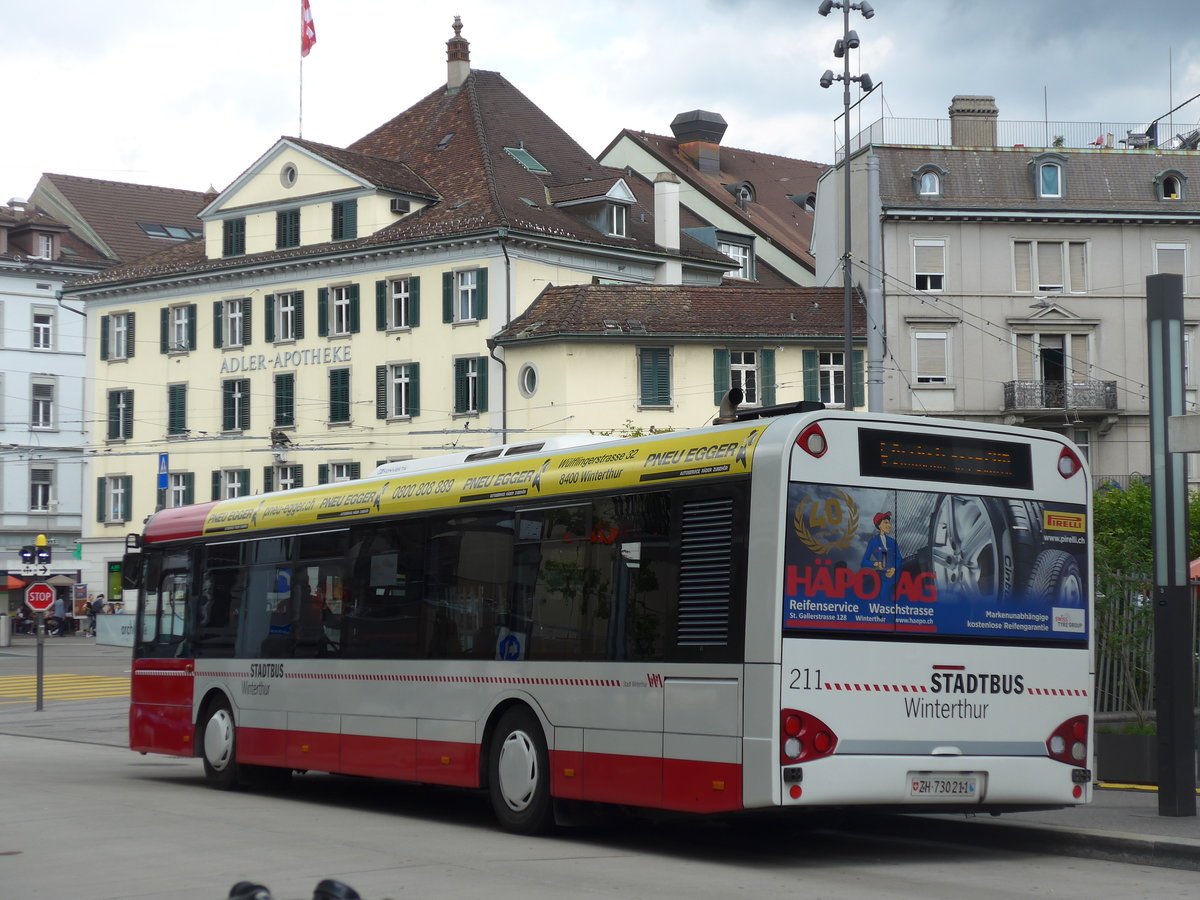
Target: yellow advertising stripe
{"points": [[63, 687], [671, 458]]}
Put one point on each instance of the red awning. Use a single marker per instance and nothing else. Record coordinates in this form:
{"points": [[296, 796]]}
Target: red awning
{"points": [[12, 583]]}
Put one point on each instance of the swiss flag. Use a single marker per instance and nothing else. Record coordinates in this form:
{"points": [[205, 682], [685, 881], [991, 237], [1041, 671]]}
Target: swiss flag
{"points": [[308, 32]]}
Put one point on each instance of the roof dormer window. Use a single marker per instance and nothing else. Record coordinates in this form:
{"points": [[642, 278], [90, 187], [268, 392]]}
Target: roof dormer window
{"points": [[927, 180], [1168, 185], [1049, 176], [618, 219]]}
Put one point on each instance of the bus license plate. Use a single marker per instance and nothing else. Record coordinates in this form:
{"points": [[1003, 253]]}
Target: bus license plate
{"points": [[940, 785]]}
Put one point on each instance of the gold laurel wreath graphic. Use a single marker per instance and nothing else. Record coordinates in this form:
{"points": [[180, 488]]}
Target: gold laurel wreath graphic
{"points": [[806, 536]]}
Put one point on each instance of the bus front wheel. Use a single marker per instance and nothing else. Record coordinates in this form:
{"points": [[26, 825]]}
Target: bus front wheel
{"points": [[519, 773], [218, 746]]}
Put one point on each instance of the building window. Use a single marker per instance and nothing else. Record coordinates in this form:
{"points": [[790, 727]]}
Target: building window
{"points": [[470, 385], [339, 395], [397, 390], [287, 229], [345, 220], [229, 484], [235, 404], [340, 323], [116, 336], [285, 399], [398, 303], [43, 330], [743, 373], [114, 495], [741, 254], [930, 356], [617, 220], [45, 246], [177, 333], [1054, 359], [1171, 259], [177, 409], [233, 237], [339, 471], [181, 490], [1168, 185], [41, 489], [120, 415], [464, 295], [527, 380], [930, 185], [337, 311], [41, 408], [285, 316], [282, 478], [1050, 267], [1050, 180], [831, 377], [654, 376], [231, 323], [929, 265]]}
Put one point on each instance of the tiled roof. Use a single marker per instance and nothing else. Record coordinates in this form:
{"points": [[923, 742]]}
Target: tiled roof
{"points": [[775, 178], [669, 311], [1114, 181], [384, 173], [73, 250], [585, 190], [107, 212]]}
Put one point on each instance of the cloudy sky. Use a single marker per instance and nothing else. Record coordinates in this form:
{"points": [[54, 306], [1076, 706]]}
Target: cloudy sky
{"points": [[190, 94]]}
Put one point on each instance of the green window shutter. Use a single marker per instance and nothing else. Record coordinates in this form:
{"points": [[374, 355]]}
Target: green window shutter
{"points": [[414, 389], [104, 337], [127, 496], [858, 379], [244, 480], [228, 422], [164, 330], [352, 294], [339, 395], [285, 399], [298, 314], [414, 301], [247, 322], [298, 476], [129, 334], [812, 375], [114, 423], [127, 424], [381, 392], [218, 323], [460, 386], [323, 473], [355, 470], [720, 375], [101, 498], [447, 296], [268, 479], [189, 488], [381, 306], [482, 294], [244, 410], [350, 220], [191, 326], [269, 312], [655, 376], [766, 377], [322, 312], [216, 484], [176, 409], [481, 383]]}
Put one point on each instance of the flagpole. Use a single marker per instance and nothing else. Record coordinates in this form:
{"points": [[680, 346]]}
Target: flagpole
{"points": [[300, 124]]}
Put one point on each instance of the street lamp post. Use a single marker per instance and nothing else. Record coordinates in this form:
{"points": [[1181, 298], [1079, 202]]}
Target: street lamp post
{"points": [[847, 42]]}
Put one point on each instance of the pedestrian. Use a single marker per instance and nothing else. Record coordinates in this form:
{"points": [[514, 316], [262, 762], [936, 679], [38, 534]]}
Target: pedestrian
{"points": [[95, 608], [60, 616]]}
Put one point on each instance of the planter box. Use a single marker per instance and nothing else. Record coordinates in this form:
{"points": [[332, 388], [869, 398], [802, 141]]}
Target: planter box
{"points": [[1127, 758]]}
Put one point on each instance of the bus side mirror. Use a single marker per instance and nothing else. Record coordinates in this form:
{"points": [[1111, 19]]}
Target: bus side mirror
{"points": [[133, 567]]}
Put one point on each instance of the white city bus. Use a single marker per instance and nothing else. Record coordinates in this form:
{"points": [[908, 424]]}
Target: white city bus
{"points": [[808, 609]]}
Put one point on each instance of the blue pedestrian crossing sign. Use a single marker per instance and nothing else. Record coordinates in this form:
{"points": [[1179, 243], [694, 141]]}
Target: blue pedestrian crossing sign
{"points": [[162, 471]]}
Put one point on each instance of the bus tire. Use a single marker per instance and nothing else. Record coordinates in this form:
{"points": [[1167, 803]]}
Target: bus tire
{"points": [[519, 773], [218, 747], [1056, 579]]}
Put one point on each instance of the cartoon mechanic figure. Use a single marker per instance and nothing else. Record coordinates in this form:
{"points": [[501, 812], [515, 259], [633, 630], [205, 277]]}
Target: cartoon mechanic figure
{"points": [[883, 555]]}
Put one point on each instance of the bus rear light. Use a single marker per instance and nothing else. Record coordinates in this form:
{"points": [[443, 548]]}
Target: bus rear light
{"points": [[1068, 463], [812, 440], [1068, 742], [804, 737]]}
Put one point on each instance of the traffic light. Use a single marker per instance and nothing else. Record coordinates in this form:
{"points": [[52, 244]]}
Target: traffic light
{"points": [[28, 554], [42, 553]]}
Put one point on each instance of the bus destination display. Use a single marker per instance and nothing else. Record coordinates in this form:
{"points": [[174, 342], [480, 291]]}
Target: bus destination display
{"points": [[956, 460]]}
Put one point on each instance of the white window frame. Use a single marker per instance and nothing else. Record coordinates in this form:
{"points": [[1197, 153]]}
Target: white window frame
{"points": [[616, 220], [1037, 284], [176, 489], [935, 282], [231, 484], [285, 316], [738, 252], [235, 319], [1042, 169], [43, 412], [118, 336], [927, 338], [42, 337], [45, 246], [339, 310], [116, 504], [929, 184], [179, 329], [831, 364], [41, 491], [399, 388], [283, 477], [1171, 247], [340, 472], [400, 303], [744, 374], [466, 295]]}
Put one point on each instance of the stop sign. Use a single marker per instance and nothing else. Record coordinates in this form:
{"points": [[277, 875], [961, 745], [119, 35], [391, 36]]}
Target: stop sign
{"points": [[40, 597]]}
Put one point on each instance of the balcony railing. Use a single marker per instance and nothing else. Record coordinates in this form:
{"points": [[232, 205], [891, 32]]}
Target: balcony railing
{"points": [[1083, 395]]}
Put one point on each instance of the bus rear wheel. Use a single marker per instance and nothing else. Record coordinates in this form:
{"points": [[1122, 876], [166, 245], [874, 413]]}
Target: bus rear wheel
{"points": [[519, 773], [218, 747]]}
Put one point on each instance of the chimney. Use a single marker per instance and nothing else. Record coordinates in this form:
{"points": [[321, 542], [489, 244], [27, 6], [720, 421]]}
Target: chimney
{"points": [[698, 134], [458, 59], [666, 227], [973, 121]]}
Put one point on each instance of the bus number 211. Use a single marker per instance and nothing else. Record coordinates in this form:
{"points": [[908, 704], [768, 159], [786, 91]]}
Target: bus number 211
{"points": [[806, 679]]}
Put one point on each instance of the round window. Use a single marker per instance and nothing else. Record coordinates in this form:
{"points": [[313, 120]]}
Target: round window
{"points": [[527, 380], [288, 175]]}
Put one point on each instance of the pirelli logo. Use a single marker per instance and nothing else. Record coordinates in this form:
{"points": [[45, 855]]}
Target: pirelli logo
{"points": [[1061, 521]]}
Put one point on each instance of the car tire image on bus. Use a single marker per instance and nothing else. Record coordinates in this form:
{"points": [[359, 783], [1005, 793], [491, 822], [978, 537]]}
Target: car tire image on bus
{"points": [[218, 746], [971, 546], [519, 773], [1056, 579]]}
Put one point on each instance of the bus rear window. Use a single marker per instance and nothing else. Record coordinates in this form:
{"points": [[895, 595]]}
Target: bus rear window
{"points": [[951, 459]]}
